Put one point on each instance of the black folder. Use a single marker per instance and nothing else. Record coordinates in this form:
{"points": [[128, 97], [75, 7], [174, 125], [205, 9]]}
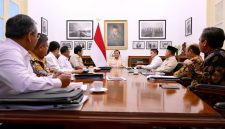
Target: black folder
{"points": [[46, 97], [106, 68], [89, 76]]}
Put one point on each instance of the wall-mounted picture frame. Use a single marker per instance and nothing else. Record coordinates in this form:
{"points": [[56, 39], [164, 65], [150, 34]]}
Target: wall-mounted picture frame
{"points": [[165, 44], [151, 44], [152, 29], [44, 26], [89, 43], [79, 29], [138, 44], [81, 43], [188, 26], [69, 44], [115, 34]]}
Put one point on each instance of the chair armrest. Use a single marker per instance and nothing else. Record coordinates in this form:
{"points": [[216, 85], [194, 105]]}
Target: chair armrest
{"points": [[210, 89], [185, 81]]}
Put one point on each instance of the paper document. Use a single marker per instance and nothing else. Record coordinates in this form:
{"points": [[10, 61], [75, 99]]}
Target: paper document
{"points": [[78, 85], [160, 77], [169, 86], [115, 78]]}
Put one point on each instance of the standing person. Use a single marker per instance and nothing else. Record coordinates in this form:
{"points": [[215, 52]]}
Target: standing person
{"points": [[116, 60], [155, 63], [170, 62], [16, 73]]}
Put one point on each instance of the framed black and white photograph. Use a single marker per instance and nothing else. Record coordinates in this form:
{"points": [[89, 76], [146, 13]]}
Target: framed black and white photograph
{"points": [[165, 44], [44, 26], [79, 29], [81, 43], [151, 44], [138, 44], [152, 29], [69, 44], [188, 26], [89, 43]]}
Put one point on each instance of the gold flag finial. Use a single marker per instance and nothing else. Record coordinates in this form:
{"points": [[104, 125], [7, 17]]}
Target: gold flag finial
{"points": [[98, 19]]}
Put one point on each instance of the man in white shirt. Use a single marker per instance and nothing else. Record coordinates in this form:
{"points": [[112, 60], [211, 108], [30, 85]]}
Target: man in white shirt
{"points": [[16, 73], [155, 63], [64, 63], [170, 62], [52, 57]]}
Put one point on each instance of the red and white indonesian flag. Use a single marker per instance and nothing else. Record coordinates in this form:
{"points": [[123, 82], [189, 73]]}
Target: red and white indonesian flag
{"points": [[98, 51]]}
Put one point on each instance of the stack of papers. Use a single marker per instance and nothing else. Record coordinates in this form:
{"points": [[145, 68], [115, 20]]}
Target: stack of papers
{"points": [[115, 78], [78, 85]]}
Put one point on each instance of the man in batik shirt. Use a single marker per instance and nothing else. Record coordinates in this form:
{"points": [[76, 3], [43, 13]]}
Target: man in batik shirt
{"points": [[213, 67], [38, 61], [194, 60]]}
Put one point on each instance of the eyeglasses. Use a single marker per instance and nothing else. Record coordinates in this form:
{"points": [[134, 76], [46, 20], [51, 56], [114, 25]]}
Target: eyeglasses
{"points": [[38, 35]]}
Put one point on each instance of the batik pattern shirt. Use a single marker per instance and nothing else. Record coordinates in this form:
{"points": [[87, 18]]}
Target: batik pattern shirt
{"points": [[185, 72]]}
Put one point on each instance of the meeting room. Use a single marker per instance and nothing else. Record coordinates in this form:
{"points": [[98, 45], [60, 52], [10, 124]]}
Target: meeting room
{"points": [[112, 64]]}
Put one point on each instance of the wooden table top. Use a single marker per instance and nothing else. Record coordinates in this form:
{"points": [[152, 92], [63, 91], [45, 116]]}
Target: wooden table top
{"points": [[135, 100]]}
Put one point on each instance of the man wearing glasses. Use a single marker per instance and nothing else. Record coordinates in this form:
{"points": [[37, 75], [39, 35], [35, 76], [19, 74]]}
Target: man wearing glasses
{"points": [[16, 73]]}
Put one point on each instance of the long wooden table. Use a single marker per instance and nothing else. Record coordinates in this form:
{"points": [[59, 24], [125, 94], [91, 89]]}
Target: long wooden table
{"points": [[135, 103]]}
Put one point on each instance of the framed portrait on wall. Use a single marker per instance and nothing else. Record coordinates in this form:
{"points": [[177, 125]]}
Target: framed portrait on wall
{"points": [[151, 44], [81, 43], [69, 44], [165, 44], [138, 44], [79, 29], [115, 34], [89, 43], [152, 29], [188, 26], [44, 26]]}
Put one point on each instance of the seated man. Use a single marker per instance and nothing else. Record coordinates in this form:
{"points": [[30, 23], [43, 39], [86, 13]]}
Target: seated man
{"points": [[116, 61], [52, 57], [76, 58], [16, 74], [194, 60], [213, 68], [170, 62], [155, 63], [64, 63], [38, 54]]}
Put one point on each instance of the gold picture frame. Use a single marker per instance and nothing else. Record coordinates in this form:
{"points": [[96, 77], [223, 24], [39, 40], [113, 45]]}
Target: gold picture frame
{"points": [[115, 34]]}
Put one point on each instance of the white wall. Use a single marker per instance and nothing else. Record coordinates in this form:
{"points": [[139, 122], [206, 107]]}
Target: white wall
{"points": [[175, 12]]}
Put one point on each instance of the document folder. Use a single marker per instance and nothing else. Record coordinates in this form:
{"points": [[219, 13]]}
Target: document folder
{"points": [[160, 77], [105, 68], [46, 97], [89, 76]]}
